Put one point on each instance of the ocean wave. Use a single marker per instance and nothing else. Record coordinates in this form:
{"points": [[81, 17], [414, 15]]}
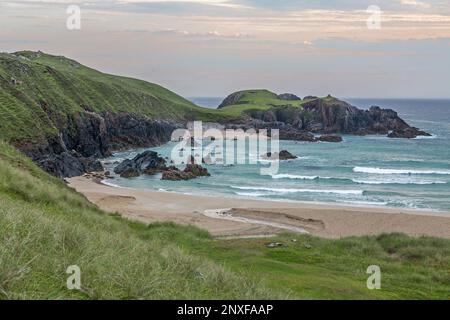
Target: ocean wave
{"points": [[365, 203], [398, 182], [433, 136], [398, 171], [251, 194], [292, 190], [293, 176]]}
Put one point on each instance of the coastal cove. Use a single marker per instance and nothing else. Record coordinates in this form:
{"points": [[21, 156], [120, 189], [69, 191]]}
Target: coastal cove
{"points": [[368, 170]]}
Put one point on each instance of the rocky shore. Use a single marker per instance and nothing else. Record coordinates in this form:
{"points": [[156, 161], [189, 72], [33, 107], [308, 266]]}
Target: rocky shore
{"points": [[86, 137], [150, 163]]}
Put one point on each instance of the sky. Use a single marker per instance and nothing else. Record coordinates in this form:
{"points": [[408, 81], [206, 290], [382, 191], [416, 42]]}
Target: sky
{"points": [[215, 47]]}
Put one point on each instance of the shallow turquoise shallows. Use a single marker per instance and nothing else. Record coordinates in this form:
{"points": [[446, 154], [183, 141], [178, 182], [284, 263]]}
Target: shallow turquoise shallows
{"points": [[367, 171]]}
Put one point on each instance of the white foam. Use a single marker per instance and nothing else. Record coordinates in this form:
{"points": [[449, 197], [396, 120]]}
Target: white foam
{"points": [[292, 190], [398, 182], [433, 136], [398, 171], [293, 176]]}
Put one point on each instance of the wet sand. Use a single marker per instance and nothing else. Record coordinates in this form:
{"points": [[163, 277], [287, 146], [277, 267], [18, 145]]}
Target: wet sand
{"points": [[231, 217]]}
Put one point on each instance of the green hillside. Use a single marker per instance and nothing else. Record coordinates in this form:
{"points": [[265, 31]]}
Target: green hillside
{"points": [[248, 101], [38, 91], [46, 227]]}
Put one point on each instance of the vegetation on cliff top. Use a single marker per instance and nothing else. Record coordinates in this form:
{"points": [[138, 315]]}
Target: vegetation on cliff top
{"points": [[38, 91], [46, 227]]}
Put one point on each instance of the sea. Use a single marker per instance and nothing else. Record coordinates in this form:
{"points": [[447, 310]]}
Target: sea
{"points": [[363, 171]]}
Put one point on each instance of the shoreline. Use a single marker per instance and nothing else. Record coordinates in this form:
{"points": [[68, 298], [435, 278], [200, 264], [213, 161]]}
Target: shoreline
{"points": [[256, 218], [355, 205]]}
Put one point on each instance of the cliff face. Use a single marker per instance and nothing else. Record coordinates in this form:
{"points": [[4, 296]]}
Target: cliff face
{"points": [[327, 115], [335, 116], [89, 136]]}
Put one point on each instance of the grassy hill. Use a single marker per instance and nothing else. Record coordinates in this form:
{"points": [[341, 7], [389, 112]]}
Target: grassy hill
{"points": [[46, 227], [250, 100], [39, 90]]}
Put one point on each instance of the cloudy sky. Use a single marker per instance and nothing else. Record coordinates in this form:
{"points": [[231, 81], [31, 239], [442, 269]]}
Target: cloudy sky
{"points": [[215, 47]]}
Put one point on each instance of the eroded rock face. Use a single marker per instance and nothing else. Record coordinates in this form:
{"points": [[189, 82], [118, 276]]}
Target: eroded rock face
{"points": [[326, 116], [408, 133], [87, 135], [68, 164], [147, 162]]}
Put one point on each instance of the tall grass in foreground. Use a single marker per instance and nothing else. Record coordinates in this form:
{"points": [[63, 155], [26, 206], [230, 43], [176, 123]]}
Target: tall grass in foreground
{"points": [[45, 227]]}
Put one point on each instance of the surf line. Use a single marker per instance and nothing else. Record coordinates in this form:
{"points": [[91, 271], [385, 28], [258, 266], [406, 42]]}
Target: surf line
{"points": [[225, 214]]}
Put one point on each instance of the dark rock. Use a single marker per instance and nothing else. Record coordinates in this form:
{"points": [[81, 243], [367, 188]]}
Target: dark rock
{"points": [[297, 135], [176, 175], [310, 98], [282, 155], [68, 164], [93, 135], [288, 97], [147, 162], [196, 170], [330, 138], [130, 173], [408, 133], [191, 171]]}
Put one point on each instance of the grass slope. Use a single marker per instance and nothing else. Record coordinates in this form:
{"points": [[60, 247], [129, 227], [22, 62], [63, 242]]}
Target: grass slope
{"points": [[260, 99], [46, 227], [38, 91]]}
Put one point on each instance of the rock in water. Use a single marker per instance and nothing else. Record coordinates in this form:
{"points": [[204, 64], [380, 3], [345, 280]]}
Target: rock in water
{"points": [[191, 171], [330, 138], [282, 155], [196, 170], [408, 133], [130, 173], [297, 135], [147, 162]]}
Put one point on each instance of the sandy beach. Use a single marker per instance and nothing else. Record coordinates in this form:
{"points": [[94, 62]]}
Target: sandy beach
{"points": [[231, 217]]}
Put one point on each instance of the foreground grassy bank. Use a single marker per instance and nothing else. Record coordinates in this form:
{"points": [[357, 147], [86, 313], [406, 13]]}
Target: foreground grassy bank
{"points": [[46, 227]]}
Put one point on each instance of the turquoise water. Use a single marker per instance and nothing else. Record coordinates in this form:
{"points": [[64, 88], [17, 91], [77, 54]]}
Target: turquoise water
{"points": [[371, 170]]}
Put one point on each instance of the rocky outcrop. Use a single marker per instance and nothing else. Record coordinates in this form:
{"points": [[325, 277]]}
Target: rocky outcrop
{"points": [[282, 155], [147, 162], [408, 133], [191, 171], [232, 99], [330, 138], [86, 136], [288, 97], [68, 164], [328, 116], [297, 135]]}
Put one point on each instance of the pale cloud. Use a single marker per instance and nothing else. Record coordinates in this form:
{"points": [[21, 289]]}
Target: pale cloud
{"points": [[208, 47], [415, 3]]}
